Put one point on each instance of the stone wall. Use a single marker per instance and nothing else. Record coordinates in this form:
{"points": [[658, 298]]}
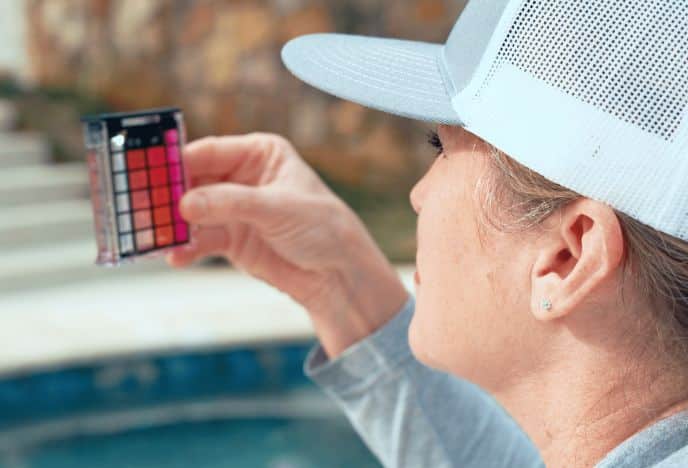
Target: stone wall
{"points": [[219, 61]]}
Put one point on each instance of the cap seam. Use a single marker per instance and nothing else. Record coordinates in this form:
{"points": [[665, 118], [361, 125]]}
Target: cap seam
{"points": [[449, 86]]}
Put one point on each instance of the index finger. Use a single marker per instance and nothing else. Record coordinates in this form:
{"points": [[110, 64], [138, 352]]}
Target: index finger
{"points": [[220, 156]]}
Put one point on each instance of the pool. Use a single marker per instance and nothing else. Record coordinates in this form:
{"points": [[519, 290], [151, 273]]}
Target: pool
{"points": [[248, 407]]}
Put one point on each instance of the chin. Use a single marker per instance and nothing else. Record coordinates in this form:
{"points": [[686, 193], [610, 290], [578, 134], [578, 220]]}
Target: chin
{"points": [[421, 343]]}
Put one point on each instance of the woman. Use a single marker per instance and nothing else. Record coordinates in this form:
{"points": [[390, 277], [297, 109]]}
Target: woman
{"points": [[555, 278]]}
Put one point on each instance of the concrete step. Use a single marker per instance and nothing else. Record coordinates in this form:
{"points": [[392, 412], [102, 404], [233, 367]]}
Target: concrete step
{"points": [[33, 267], [23, 149], [36, 184], [196, 308], [45, 223]]}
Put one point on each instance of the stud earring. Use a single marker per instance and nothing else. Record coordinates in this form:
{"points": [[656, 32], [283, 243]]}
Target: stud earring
{"points": [[546, 304]]}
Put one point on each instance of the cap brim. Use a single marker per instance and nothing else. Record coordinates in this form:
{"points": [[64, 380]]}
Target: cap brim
{"points": [[391, 75]]}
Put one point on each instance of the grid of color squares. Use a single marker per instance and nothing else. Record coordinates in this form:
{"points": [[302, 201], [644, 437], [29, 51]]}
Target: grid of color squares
{"points": [[148, 184]]}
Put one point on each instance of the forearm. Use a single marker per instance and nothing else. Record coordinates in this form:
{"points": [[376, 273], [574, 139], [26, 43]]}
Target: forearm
{"points": [[362, 295]]}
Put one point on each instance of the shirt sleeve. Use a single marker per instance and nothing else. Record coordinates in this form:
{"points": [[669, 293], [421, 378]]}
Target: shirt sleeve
{"points": [[412, 416]]}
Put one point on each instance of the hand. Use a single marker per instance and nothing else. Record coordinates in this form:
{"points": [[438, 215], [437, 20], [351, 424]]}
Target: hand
{"points": [[257, 203]]}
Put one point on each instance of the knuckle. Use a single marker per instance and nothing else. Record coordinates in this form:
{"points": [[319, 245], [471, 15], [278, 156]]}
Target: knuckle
{"points": [[258, 138], [282, 143], [271, 143], [213, 143], [205, 145], [209, 140]]}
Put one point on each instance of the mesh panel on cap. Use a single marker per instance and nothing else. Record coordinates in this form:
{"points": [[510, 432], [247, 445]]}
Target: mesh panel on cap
{"points": [[627, 57]]}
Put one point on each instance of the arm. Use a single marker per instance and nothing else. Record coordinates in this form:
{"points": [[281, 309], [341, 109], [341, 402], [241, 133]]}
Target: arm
{"points": [[256, 202], [412, 416]]}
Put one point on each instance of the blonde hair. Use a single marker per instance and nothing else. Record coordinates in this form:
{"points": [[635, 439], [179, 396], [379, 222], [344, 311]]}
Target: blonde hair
{"points": [[518, 199]]}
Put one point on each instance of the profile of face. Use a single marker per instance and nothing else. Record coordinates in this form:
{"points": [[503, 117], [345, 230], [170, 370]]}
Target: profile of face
{"points": [[468, 303], [476, 300]]}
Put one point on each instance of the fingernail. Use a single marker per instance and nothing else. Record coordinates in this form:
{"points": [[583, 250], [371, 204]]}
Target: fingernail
{"points": [[195, 205]]}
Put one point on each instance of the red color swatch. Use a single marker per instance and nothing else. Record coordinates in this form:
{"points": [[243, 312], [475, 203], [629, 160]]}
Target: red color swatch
{"points": [[148, 185], [162, 216], [181, 232], [144, 240], [140, 200], [136, 159], [156, 156], [161, 196], [164, 236], [177, 192], [159, 176], [138, 180], [176, 215], [176, 173], [172, 137], [142, 219], [173, 156]]}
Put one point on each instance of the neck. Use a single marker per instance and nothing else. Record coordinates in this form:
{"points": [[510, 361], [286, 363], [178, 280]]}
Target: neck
{"points": [[577, 415]]}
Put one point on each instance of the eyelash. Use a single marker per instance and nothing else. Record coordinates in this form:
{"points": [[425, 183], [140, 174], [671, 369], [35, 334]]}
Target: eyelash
{"points": [[435, 142]]}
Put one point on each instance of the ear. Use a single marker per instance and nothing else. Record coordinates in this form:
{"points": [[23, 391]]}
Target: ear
{"points": [[575, 257]]}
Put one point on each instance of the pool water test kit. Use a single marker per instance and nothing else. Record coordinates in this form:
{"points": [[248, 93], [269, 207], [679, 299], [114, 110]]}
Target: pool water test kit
{"points": [[137, 178]]}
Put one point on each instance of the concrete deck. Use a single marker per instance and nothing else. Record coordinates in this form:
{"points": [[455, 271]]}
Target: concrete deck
{"points": [[158, 312], [29, 269]]}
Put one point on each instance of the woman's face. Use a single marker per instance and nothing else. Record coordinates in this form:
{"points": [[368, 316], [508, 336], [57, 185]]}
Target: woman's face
{"points": [[472, 312]]}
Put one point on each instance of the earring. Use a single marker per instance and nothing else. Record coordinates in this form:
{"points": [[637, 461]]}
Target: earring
{"points": [[546, 304]]}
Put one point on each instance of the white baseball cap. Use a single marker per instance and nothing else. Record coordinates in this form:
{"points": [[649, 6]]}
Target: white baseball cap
{"points": [[593, 95]]}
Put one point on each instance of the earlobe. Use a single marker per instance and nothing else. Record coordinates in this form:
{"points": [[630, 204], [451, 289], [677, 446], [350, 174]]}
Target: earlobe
{"points": [[574, 258], [546, 302]]}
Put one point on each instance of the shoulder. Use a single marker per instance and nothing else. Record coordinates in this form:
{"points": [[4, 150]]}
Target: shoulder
{"points": [[661, 445]]}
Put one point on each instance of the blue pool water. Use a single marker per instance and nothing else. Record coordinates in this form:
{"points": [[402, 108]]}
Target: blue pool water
{"points": [[248, 407], [277, 443]]}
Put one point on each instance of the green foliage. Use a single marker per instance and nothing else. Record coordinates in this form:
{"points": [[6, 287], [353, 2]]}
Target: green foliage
{"points": [[9, 88]]}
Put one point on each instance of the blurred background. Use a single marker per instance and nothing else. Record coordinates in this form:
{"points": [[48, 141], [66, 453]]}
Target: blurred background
{"points": [[141, 366]]}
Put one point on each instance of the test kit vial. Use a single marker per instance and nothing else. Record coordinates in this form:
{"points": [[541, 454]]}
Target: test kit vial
{"points": [[137, 178]]}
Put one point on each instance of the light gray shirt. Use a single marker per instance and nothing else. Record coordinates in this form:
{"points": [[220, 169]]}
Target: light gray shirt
{"points": [[412, 416]]}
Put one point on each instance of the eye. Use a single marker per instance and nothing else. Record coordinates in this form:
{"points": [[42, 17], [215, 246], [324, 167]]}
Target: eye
{"points": [[436, 143]]}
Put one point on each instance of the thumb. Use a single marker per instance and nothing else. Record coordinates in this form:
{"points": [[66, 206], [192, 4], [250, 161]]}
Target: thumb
{"points": [[222, 203]]}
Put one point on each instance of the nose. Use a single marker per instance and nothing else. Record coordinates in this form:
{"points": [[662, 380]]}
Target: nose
{"points": [[418, 194]]}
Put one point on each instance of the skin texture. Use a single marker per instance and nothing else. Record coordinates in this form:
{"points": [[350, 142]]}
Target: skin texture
{"points": [[257, 203], [574, 377]]}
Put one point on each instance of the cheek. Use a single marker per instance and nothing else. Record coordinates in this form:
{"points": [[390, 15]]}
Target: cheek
{"points": [[460, 304], [445, 262], [447, 316]]}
